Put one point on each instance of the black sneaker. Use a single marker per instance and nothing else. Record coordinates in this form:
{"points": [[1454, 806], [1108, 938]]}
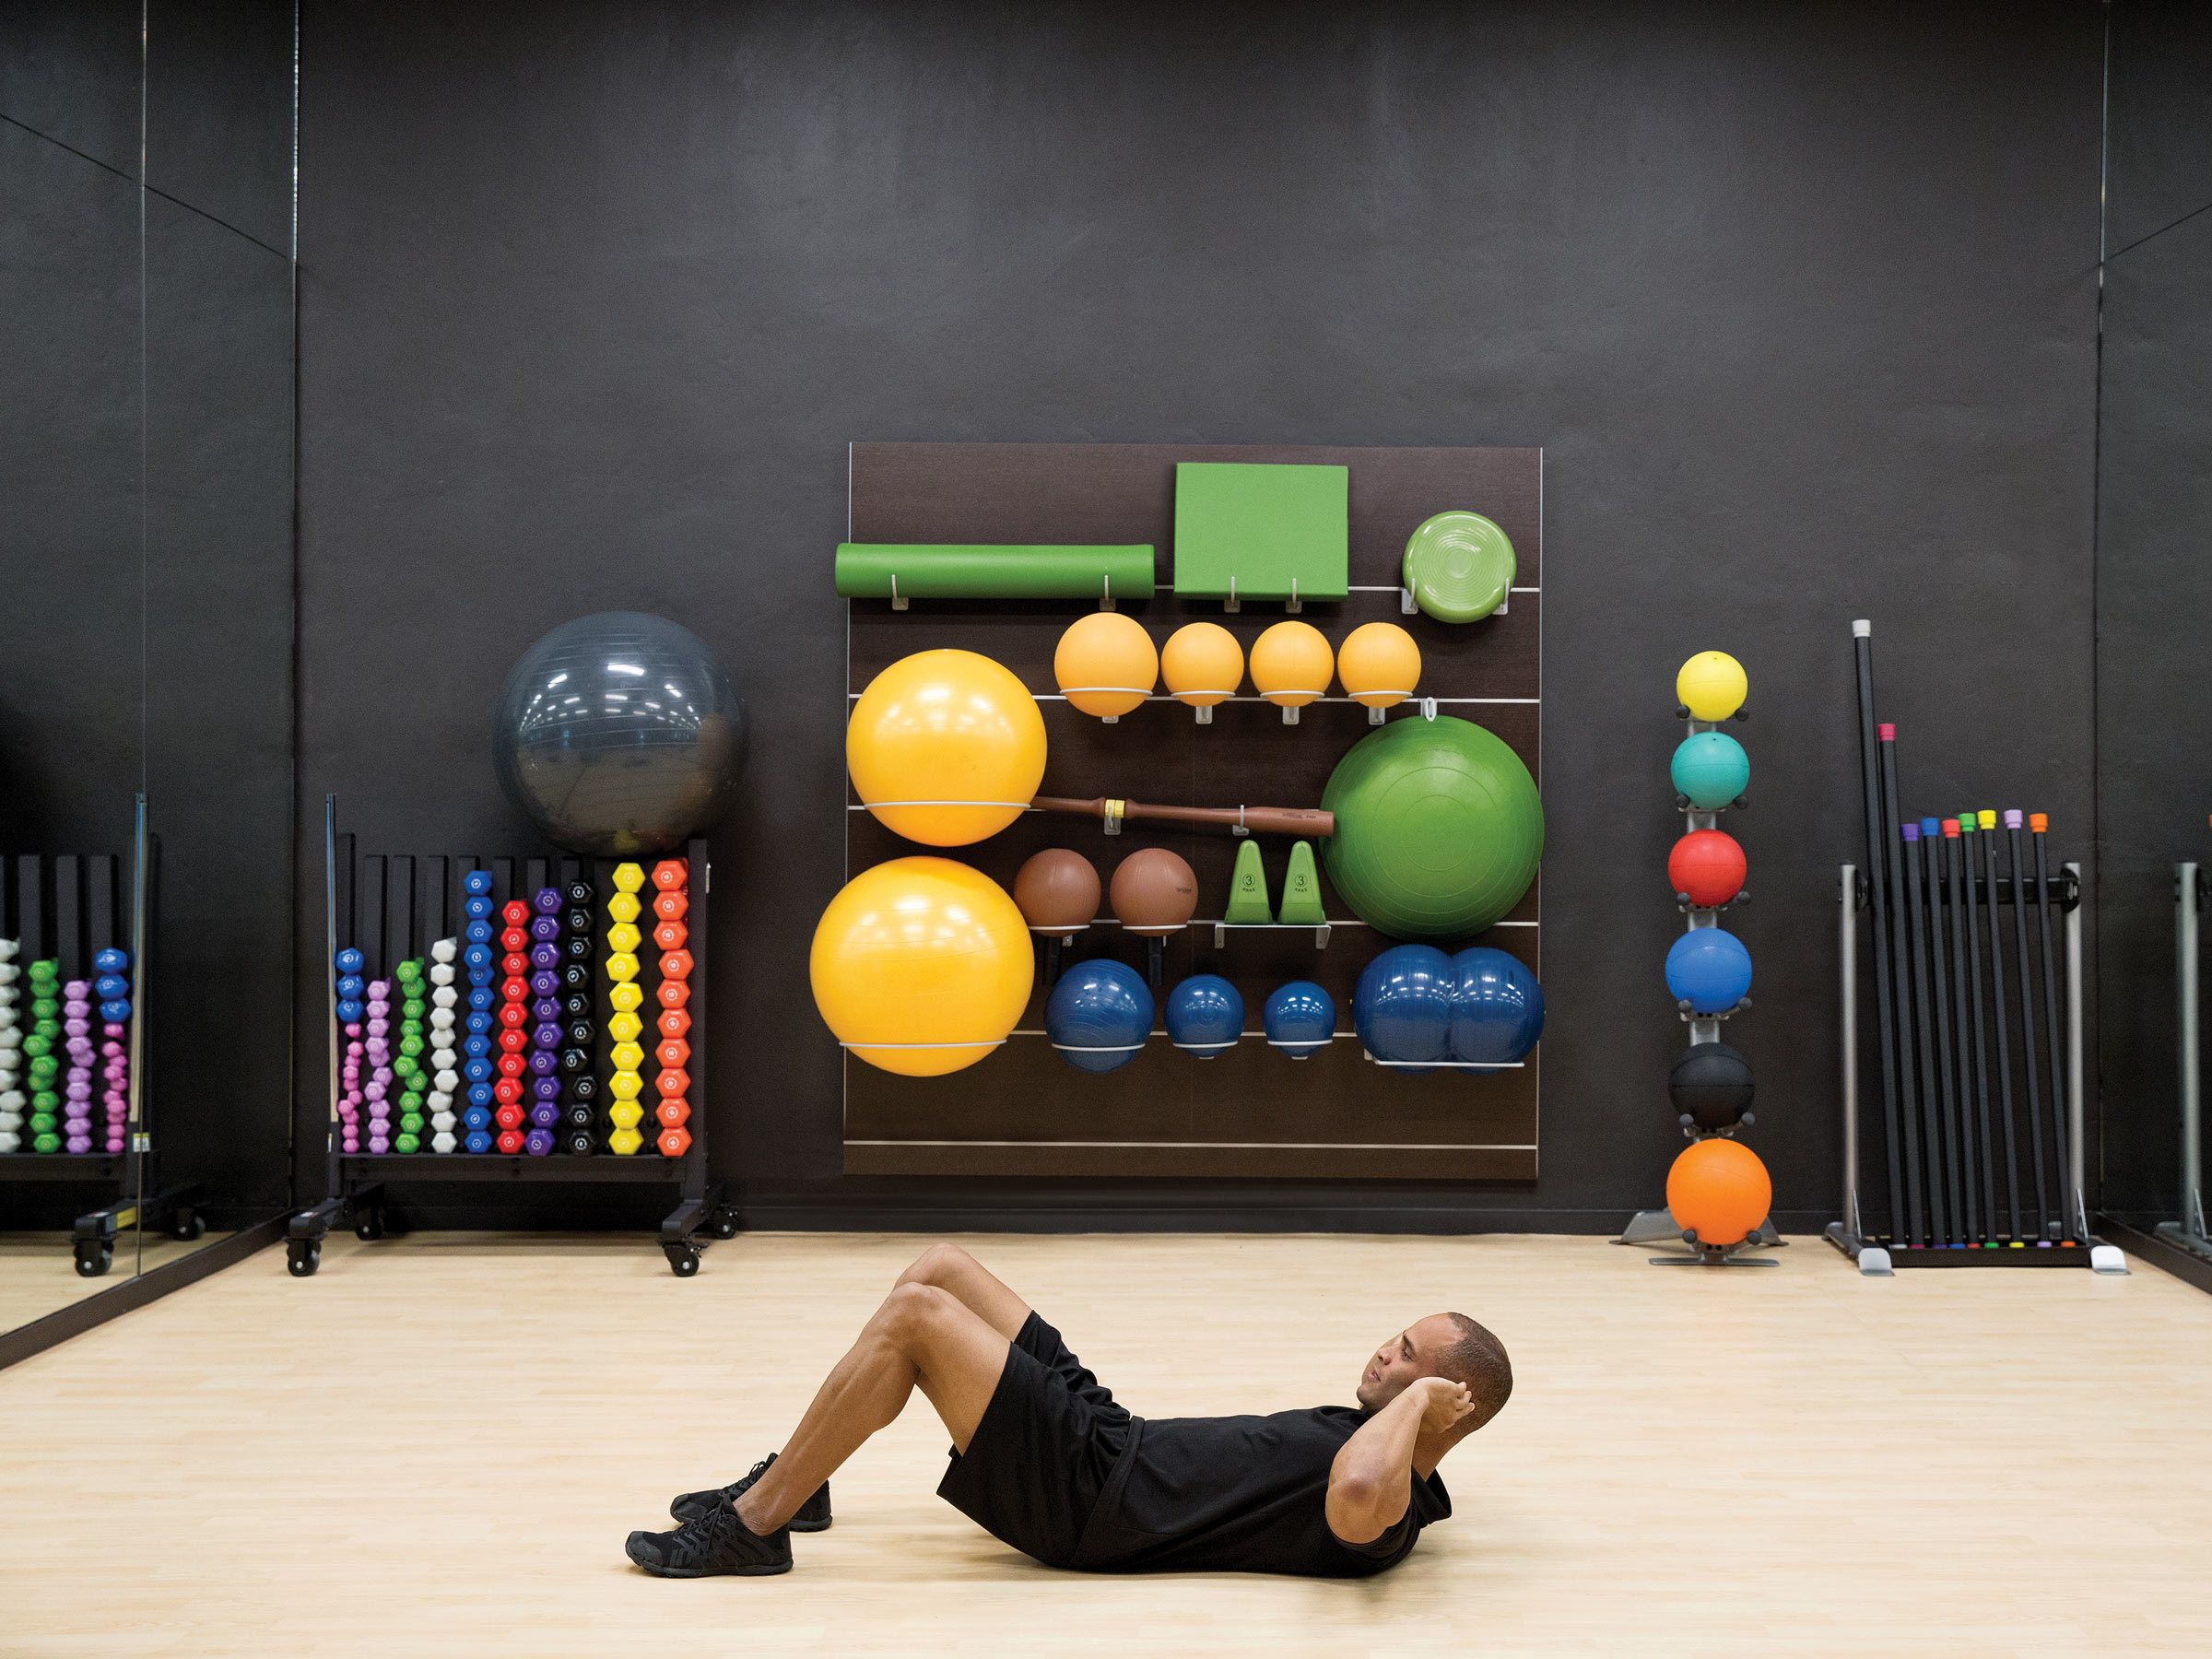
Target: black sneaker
{"points": [[717, 1542], [813, 1516]]}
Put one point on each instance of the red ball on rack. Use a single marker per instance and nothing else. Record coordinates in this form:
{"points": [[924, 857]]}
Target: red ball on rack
{"points": [[1707, 867]]}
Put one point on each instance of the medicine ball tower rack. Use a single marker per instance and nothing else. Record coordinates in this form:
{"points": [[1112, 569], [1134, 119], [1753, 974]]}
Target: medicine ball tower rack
{"points": [[1659, 1225], [391, 906], [66, 907]]}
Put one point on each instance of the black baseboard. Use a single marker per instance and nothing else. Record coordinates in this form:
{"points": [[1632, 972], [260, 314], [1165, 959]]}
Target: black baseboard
{"points": [[2186, 1265], [96, 1310]]}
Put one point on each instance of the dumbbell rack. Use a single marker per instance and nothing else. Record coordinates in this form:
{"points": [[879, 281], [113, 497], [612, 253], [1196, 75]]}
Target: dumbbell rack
{"points": [[68, 906], [391, 906]]}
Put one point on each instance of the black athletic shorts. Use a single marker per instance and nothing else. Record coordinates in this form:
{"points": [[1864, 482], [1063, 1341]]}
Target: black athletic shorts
{"points": [[1041, 1455]]}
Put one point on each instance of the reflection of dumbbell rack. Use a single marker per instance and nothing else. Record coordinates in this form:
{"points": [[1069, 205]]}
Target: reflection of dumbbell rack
{"points": [[1652, 1227], [392, 906], [67, 908]]}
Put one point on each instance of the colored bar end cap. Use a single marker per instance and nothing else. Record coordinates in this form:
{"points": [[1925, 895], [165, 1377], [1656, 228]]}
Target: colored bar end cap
{"points": [[1862, 630], [2013, 816], [1988, 815], [1931, 828], [1950, 829], [2039, 821], [1888, 734], [1911, 831]]}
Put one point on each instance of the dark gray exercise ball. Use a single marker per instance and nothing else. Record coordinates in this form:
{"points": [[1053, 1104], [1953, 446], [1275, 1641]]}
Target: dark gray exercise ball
{"points": [[619, 735], [1712, 1085]]}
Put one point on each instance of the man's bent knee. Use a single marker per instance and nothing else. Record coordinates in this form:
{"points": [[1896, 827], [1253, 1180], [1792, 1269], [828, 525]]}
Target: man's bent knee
{"points": [[936, 1264], [911, 1312]]}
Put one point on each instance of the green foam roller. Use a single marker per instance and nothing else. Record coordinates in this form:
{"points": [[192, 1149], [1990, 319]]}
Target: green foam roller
{"points": [[917, 570]]}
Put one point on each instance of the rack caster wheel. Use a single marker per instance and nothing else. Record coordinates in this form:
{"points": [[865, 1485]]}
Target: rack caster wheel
{"points": [[93, 1260], [683, 1259], [371, 1227], [186, 1226], [301, 1257], [723, 1225]]}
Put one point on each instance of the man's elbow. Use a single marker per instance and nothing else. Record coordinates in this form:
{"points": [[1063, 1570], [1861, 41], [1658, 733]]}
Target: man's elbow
{"points": [[1360, 1511]]}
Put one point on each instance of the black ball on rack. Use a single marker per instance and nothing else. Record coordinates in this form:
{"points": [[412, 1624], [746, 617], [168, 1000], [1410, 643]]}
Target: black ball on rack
{"points": [[1711, 1084], [620, 733]]}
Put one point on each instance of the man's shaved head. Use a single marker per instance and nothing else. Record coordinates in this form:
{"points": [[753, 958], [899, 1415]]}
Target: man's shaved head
{"points": [[1478, 1360]]}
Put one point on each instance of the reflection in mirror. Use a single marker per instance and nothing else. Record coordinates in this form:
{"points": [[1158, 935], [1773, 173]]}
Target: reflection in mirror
{"points": [[218, 596], [71, 645]]}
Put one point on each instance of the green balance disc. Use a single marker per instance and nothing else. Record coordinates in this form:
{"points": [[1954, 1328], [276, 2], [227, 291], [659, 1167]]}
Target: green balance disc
{"points": [[1459, 566], [1439, 828]]}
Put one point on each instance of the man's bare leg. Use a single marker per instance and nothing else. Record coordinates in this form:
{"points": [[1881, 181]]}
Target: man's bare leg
{"points": [[923, 1336], [949, 1267]]}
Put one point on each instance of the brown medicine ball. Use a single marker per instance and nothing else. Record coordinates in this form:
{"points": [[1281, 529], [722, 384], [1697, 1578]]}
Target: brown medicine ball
{"points": [[1057, 892], [1154, 891]]}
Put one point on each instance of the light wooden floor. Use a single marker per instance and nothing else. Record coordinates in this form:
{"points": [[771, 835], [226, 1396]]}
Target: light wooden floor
{"points": [[437, 1445], [38, 1270]]}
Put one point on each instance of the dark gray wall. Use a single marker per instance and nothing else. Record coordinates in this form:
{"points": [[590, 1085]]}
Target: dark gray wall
{"points": [[1799, 301], [2154, 591]]}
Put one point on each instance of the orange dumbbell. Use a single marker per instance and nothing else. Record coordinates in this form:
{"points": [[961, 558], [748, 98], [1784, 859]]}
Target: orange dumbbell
{"points": [[673, 993], [673, 1054], [672, 1083], [674, 1022], [676, 964], [670, 935], [674, 1113], [670, 907], [671, 874], [675, 1142]]}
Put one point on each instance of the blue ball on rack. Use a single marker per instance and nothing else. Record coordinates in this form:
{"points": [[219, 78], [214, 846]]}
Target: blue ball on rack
{"points": [[1402, 1009], [1299, 1018], [1205, 1016], [1099, 1015], [1497, 1007], [1709, 969]]}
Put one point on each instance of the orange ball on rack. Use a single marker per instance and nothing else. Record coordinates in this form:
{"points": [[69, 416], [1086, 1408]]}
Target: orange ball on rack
{"points": [[1202, 663], [1719, 1190], [1291, 664], [1378, 664], [1105, 664]]}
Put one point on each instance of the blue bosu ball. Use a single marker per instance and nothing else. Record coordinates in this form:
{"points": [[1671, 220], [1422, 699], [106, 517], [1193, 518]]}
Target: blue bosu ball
{"points": [[1709, 970], [1099, 1016], [1205, 1016], [1497, 1007], [1299, 1018], [1403, 1008]]}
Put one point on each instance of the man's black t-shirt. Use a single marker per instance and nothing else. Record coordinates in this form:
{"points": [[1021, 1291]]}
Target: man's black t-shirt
{"points": [[1240, 1494]]}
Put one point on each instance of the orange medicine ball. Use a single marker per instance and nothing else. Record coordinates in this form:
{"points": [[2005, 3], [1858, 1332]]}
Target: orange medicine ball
{"points": [[1719, 1190], [1203, 665], [1105, 664], [1291, 664]]}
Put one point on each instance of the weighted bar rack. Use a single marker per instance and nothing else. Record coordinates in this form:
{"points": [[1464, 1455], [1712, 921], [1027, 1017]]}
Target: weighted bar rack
{"points": [[68, 908], [2065, 1239], [391, 906]]}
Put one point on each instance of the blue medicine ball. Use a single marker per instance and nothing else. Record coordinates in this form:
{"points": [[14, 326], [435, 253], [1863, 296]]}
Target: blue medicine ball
{"points": [[1205, 1016], [1299, 1018], [1709, 970], [1403, 1008], [1497, 1007], [1099, 1016]]}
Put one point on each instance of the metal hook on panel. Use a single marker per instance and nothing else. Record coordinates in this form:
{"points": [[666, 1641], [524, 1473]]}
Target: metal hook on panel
{"points": [[1106, 591], [897, 603], [1294, 604], [1231, 604]]}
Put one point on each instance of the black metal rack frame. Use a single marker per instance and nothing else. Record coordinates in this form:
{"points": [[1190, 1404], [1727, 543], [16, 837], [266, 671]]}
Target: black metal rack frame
{"points": [[394, 906], [68, 906]]}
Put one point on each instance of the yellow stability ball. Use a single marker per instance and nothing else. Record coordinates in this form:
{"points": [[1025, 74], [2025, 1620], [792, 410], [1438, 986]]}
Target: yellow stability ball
{"points": [[1711, 685], [1106, 663], [1378, 664], [946, 747], [921, 966], [1291, 664], [1203, 665]]}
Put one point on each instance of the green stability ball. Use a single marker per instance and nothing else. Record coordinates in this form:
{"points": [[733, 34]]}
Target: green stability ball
{"points": [[1439, 828], [1711, 769]]}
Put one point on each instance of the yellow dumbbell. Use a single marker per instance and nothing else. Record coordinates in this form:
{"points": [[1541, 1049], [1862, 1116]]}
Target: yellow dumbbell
{"points": [[626, 1085], [625, 1114], [625, 1028], [623, 940], [624, 906], [622, 968], [629, 877], [624, 1143], [627, 1058]]}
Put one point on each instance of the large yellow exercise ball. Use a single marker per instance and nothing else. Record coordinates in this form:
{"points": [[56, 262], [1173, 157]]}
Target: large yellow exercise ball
{"points": [[1291, 664], [1711, 685], [1106, 663], [1378, 664], [921, 966], [1203, 665], [946, 747]]}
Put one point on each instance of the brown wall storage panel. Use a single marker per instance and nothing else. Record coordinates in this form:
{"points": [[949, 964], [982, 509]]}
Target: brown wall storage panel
{"points": [[1252, 1112]]}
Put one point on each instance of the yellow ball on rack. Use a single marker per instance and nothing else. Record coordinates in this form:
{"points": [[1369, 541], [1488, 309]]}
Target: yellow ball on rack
{"points": [[1378, 664], [1106, 664], [1291, 664], [946, 747], [1711, 685], [1202, 663]]}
